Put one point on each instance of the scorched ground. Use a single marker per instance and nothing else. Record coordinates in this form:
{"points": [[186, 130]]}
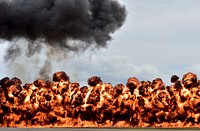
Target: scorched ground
{"points": [[61, 103]]}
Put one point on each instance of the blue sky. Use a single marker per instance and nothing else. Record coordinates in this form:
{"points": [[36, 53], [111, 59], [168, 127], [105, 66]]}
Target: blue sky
{"points": [[159, 38]]}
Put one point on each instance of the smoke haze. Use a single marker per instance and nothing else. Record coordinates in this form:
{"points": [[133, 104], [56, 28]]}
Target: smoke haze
{"points": [[53, 24]]}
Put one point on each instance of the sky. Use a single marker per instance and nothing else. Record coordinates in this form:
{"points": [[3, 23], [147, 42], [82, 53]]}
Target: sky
{"points": [[159, 38]]}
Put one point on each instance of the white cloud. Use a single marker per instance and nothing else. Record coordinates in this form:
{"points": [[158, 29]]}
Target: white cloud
{"points": [[195, 68], [113, 69]]}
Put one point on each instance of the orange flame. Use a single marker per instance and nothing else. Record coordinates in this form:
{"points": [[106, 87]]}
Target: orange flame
{"points": [[64, 104]]}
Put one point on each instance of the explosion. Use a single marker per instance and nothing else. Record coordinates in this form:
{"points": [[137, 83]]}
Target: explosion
{"points": [[61, 103]]}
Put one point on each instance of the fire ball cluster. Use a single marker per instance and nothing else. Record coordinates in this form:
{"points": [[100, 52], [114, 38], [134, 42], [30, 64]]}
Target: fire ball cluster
{"points": [[61, 103]]}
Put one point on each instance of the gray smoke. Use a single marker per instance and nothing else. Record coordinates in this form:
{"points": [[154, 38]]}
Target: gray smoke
{"points": [[56, 22]]}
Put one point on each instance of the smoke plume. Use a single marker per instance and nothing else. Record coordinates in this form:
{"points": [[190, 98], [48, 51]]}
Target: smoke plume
{"points": [[55, 23]]}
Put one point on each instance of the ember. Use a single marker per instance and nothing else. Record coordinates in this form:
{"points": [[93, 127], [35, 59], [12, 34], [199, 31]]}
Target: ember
{"points": [[64, 104]]}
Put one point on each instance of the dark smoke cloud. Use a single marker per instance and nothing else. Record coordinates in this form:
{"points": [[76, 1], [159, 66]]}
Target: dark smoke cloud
{"points": [[54, 23], [57, 21]]}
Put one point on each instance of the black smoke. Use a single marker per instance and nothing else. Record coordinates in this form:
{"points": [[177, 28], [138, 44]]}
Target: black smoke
{"points": [[56, 22]]}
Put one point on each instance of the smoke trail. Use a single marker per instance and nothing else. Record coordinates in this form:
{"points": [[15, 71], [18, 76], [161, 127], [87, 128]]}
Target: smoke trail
{"points": [[44, 71], [57, 22]]}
